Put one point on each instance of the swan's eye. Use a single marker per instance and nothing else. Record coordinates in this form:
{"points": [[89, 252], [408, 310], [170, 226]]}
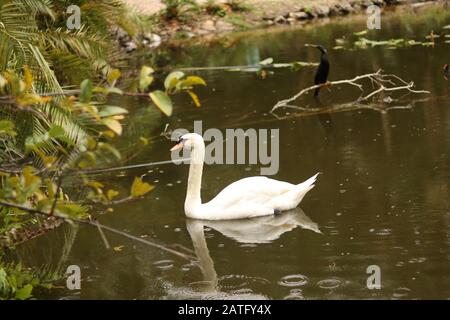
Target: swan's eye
{"points": [[180, 139]]}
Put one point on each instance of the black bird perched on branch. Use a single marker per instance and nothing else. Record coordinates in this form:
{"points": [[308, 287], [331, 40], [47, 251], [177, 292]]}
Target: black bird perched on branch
{"points": [[323, 69]]}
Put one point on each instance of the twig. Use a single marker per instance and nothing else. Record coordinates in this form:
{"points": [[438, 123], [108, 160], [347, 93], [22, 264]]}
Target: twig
{"points": [[96, 224], [102, 235], [251, 66], [58, 190], [141, 165], [377, 79]]}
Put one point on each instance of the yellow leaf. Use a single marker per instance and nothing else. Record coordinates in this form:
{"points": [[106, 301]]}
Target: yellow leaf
{"points": [[94, 184], [27, 77], [3, 82], [111, 194], [144, 140], [139, 188], [30, 178], [108, 134], [118, 248], [194, 98], [49, 161], [114, 125], [194, 81], [113, 75]]}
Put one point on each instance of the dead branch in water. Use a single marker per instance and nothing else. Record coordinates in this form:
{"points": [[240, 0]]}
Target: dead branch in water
{"points": [[380, 83]]}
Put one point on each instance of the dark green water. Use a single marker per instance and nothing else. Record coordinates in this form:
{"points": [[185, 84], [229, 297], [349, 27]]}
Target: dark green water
{"points": [[383, 198]]}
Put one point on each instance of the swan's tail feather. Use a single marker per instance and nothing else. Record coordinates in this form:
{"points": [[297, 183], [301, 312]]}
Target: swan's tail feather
{"points": [[304, 187], [309, 182], [292, 198]]}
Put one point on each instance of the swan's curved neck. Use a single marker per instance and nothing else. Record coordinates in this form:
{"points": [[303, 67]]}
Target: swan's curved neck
{"points": [[193, 198]]}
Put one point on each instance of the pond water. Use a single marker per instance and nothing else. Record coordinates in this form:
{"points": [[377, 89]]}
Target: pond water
{"points": [[383, 198]]}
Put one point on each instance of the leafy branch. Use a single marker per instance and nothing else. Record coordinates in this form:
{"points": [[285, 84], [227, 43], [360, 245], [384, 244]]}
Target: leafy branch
{"points": [[56, 151]]}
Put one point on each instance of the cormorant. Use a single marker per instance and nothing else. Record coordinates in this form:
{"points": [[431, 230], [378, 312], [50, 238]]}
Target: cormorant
{"points": [[323, 69], [446, 69]]}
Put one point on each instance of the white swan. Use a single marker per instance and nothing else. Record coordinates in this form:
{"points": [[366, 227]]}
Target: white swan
{"points": [[245, 198]]}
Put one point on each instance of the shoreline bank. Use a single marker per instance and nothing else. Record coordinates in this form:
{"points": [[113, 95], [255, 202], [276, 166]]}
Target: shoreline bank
{"points": [[203, 22]]}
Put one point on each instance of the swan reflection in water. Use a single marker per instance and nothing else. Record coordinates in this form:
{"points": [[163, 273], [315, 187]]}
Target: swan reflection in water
{"points": [[249, 231]]}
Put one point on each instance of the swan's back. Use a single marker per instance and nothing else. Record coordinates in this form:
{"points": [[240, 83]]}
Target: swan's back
{"points": [[253, 197]]}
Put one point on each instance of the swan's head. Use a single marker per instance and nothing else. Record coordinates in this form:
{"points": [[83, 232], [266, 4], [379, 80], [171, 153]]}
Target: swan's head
{"points": [[188, 141]]}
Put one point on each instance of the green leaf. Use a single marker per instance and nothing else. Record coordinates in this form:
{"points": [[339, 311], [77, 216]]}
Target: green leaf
{"points": [[108, 111], [31, 182], [14, 83], [113, 124], [144, 78], [87, 159], [139, 188], [114, 90], [162, 101], [56, 131], [360, 33], [72, 210], [35, 141], [86, 91], [109, 148], [7, 128], [94, 184], [428, 44], [266, 62], [172, 79], [25, 292], [145, 71]]}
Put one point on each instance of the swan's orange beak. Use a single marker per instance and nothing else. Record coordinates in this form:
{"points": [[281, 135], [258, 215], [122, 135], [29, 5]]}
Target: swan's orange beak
{"points": [[178, 146]]}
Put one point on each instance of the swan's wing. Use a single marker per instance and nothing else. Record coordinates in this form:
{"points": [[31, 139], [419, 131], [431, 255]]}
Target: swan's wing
{"points": [[250, 191], [245, 198]]}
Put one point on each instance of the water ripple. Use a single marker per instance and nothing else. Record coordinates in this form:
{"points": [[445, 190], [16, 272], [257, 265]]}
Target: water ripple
{"points": [[401, 292], [329, 284], [239, 281], [164, 264], [293, 280]]}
